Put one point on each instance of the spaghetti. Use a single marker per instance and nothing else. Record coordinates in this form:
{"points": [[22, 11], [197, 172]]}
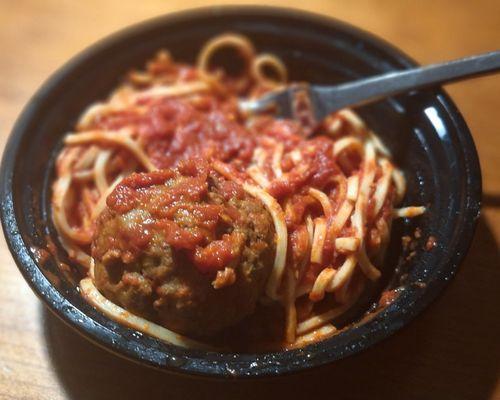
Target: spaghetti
{"points": [[331, 198]]}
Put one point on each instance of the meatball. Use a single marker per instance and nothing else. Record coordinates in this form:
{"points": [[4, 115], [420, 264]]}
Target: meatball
{"points": [[185, 248]]}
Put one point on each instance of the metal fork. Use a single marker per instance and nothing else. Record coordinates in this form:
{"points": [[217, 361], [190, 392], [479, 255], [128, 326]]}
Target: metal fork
{"points": [[310, 104]]}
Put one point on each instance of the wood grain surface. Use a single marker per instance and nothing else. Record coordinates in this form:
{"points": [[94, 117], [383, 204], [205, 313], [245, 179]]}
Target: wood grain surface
{"points": [[452, 351]]}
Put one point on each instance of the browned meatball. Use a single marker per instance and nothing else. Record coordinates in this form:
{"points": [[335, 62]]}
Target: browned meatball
{"points": [[185, 248]]}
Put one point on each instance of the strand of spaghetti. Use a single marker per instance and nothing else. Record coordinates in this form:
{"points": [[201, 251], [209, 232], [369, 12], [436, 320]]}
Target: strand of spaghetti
{"points": [[75, 253], [341, 182], [140, 77], [61, 187], [382, 186], [347, 142], [121, 96], [315, 336], [83, 175], [92, 269], [296, 156], [324, 201], [324, 318], [352, 187], [268, 141], [333, 125], [118, 314], [346, 244], [259, 156], [343, 274], [258, 176], [321, 283], [276, 161], [100, 170], [384, 230], [231, 39], [289, 210], [90, 114], [120, 138], [342, 293], [367, 177], [103, 109], [321, 319], [87, 159], [341, 218], [306, 256], [66, 159], [179, 89], [290, 309], [318, 240], [227, 171], [351, 118], [272, 62], [400, 183], [377, 143], [370, 271], [408, 212], [336, 222], [278, 217], [239, 42], [89, 200], [359, 216], [310, 227]]}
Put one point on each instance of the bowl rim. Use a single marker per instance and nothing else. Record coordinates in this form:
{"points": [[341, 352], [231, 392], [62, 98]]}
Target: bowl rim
{"points": [[88, 327]]}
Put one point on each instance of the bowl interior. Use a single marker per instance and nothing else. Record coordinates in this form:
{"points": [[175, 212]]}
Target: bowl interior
{"points": [[423, 130]]}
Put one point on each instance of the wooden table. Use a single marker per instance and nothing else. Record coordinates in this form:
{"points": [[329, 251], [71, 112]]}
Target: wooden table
{"points": [[452, 351]]}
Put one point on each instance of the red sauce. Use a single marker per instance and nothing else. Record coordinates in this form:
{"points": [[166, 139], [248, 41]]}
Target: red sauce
{"points": [[176, 206], [178, 237], [230, 189], [217, 254], [316, 169], [177, 129]]}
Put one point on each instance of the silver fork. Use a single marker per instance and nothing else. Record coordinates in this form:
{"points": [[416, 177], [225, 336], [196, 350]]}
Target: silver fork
{"points": [[310, 104]]}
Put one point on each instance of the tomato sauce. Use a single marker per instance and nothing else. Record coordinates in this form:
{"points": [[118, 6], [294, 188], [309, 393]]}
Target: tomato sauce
{"points": [[174, 129], [176, 205]]}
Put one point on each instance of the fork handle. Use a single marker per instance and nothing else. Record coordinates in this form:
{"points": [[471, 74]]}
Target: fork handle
{"points": [[331, 98]]}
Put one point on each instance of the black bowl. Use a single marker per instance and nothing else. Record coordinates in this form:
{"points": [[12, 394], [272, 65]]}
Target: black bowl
{"points": [[424, 130]]}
